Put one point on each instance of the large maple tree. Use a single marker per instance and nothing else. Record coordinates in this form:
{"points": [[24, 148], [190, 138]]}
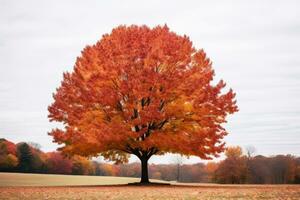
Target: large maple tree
{"points": [[141, 91]]}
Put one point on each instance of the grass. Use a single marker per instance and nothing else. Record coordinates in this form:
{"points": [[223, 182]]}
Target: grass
{"points": [[20, 179], [91, 187]]}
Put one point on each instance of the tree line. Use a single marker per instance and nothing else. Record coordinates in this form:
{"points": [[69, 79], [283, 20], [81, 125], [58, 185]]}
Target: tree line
{"points": [[236, 168]]}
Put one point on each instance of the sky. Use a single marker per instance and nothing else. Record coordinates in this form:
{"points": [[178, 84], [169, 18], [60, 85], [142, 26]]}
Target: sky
{"points": [[254, 46]]}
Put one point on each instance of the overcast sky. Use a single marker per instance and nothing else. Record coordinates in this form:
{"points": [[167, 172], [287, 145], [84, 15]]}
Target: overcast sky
{"points": [[254, 46]]}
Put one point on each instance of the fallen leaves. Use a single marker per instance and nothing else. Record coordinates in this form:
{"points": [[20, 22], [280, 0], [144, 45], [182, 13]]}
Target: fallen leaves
{"points": [[153, 192]]}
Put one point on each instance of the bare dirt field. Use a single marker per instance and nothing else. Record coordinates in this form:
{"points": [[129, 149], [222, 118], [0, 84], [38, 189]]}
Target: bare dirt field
{"points": [[123, 191]]}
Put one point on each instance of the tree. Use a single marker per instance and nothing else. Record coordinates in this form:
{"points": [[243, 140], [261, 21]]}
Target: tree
{"points": [[35, 145], [260, 172], [178, 160], [234, 168], [193, 173], [107, 169], [58, 164], [210, 169], [82, 166], [234, 152], [131, 170], [7, 147], [25, 157], [8, 162], [3, 148], [250, 151], [141, 91], [297, 171], [283, 169]]}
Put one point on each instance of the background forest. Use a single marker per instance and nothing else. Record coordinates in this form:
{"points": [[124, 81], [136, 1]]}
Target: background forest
{"points": [[236, 168]]}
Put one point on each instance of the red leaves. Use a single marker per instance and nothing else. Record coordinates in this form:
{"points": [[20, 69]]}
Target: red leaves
{"points": [[140, 88]]}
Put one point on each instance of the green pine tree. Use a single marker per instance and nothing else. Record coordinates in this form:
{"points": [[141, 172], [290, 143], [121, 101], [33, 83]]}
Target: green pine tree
{"points": [[25, 157]]}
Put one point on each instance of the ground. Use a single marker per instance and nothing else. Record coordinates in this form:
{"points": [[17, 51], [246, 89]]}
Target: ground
{"points": [[122, 191], [19, 179]]}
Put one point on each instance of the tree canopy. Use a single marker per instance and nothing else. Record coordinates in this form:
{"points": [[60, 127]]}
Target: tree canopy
{"points": [[141, 91]]}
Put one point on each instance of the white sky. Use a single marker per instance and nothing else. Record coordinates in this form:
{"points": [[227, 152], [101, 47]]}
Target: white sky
{"points": [[254, 46]]}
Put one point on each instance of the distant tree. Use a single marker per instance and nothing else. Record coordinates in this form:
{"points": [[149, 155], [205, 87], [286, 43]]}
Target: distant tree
{"points": [[35, 145], [97, 170], [38, 164], [38, 158], [25, 157], [82, 166], [107, 169], [7, 147], [233, 169], [3, 148], [250, 151], [211, 168], [58, 164], [297, 171], [8, 159], [178, 162], [283, 169], [131, 170], [8, 162], [168, 172], [193, 173], [260, 172], [141, 91], [234, 152]]}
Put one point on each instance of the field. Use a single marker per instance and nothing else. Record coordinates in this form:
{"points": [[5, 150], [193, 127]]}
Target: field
{"points": [[18, 179], [34, 186]]}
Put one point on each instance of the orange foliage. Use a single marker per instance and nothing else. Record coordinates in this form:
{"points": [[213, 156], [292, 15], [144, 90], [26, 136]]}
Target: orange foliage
{"points": [[141, 91], [8, 162], [234, 152], [11, 147], [211, 167], [82, 165]]}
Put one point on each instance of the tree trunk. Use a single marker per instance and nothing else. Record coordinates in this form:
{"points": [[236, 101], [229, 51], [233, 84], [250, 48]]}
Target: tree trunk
{"points": [[178, 172], [144, 170]]}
